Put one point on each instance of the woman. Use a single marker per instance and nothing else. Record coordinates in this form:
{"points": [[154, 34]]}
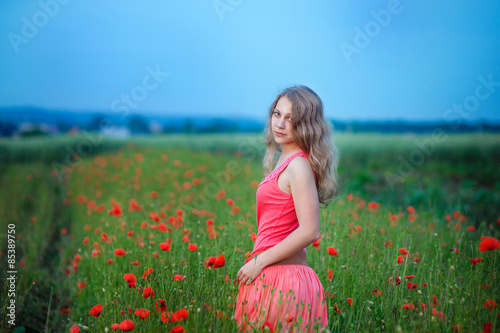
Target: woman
{"points": [[277, 287]]}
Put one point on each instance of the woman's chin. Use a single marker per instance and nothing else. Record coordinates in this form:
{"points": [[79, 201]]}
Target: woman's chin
{"points": [[279, 139]]}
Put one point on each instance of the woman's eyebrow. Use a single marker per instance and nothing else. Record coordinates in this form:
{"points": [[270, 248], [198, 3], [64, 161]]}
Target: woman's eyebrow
{"points": [[288, 114]]}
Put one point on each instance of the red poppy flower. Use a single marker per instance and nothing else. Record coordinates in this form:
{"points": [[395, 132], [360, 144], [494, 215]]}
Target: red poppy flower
{"points": [[336, 308], [147, 273], [134, 205], [126, 325], [74, 329], [105, 238], [166, 317], [376, 292], [96, 310], [116, 211], [165, 247], [410, 209], [136, 263], [437, 313], [180, 315], [487, 327], [163, 306], [85, 242], [422, 305], [253, 236], [400, 260], [316, 244], [148, 292], [185, 239], [269, 325], [178, 277], [409, 277], [489, 304], [489, 244], [475, 261], [114, 326], [120, 252], [330, 274], [209, 262], [332, 251], [403, 251], [349, 301], [219, 262], [409, 306], [131, 279], [192, 247], [177, 329], [412, 285], [141, 313]]}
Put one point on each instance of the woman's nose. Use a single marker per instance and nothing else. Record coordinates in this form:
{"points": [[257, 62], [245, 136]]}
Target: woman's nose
{"points": [[281, 123]]}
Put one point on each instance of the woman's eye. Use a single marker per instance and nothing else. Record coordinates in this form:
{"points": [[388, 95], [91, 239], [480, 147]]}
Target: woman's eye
{"points": [[276, 113]]}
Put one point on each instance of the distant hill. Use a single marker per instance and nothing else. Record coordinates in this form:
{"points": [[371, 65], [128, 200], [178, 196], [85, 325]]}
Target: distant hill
{"points": [[15, 120]]}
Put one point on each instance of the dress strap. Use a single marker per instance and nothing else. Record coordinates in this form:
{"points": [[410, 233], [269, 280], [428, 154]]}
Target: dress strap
{"points": [[283, 165]]}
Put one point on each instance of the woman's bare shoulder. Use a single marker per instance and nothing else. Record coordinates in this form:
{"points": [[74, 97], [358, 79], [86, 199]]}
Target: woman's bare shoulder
{"points": [[300, 167]]}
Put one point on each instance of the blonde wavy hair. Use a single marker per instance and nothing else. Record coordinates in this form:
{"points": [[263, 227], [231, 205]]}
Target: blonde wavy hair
{"points": [[313, 134]]}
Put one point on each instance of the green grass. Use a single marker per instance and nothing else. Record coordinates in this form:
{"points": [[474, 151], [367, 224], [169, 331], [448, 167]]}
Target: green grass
{"points": [[364, 262], [446, 172], [32, 201]]}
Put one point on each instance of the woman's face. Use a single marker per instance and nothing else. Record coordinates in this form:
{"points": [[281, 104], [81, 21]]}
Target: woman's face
{"points": [[281, 121]]}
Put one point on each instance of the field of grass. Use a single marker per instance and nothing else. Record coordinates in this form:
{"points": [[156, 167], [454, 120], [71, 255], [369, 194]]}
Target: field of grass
{"points": [[71, 214]]}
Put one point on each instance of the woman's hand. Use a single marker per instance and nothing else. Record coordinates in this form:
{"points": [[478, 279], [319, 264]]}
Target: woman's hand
{"points": [[249, 271]]}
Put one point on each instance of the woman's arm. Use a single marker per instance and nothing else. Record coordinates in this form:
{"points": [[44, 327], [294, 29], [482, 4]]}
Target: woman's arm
{"points": [[305, 199]]}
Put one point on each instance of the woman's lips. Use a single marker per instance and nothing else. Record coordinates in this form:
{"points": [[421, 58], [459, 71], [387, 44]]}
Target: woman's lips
{"points": [[279, 134]]}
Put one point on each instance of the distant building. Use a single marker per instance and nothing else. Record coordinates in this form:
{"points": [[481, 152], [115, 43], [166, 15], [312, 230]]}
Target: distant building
{"points": [[155, 127], [116, 132]]}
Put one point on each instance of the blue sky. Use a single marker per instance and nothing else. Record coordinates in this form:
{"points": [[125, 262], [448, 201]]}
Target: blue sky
{"points": [[367, 60]]}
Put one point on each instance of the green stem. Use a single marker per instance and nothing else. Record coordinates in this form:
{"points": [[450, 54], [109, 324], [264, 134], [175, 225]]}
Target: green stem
{"points": [[48, 311]]}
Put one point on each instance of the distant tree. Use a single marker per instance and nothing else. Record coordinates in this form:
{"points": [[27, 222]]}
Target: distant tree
{"points": [[216, 126], [7, 129], [98, 123], [189, 126], [33, 132], [167, 129], [137, 125], [63, 126]]}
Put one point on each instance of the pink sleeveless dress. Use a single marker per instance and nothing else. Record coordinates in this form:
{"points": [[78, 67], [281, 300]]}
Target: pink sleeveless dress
{"points": [[284, 297]]}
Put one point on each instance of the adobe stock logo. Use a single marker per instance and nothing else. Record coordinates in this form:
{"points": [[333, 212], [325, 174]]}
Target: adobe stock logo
{"points": [[48, 9], [221, 7], [373, 28], [139, 93], [453, 116]]}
